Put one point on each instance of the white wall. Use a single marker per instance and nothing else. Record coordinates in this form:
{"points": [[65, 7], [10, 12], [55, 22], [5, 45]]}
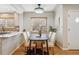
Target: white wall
{"points": [[59, 15], [20, 16], [27, 17], [16, 19], [62, 30]]}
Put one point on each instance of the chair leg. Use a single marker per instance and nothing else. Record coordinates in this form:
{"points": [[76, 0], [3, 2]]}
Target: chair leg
{"points": [[53, 50], [26, 50], [42, 48], [35, 47]]}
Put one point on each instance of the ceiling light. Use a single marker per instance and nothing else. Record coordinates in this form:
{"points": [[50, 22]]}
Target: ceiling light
{"points": [[39, 9]]}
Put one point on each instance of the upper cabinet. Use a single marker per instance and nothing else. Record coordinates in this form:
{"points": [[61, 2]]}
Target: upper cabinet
{"points": [[9, 19], [7, 16]]}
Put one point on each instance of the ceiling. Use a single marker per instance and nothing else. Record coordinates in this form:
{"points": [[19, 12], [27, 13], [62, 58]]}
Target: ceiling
{"points": [[6, 8], [30, 7], [25, 7]]}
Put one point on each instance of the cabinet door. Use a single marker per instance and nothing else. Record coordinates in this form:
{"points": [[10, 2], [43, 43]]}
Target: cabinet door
{"points": [[10, 23]]}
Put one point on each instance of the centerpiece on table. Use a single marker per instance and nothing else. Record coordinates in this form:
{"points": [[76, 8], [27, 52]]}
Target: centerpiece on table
{"points": [[40, 31]]}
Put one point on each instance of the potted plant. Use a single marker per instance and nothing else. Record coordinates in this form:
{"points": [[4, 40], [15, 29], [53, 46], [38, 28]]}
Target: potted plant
{"points": [[51, 29], [54, 29]]}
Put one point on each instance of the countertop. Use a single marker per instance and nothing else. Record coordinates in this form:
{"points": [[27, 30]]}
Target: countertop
{"points": [[9, 34]]}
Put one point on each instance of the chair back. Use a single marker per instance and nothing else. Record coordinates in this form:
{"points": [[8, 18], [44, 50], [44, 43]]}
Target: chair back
{"points": [[28, 34], [52, 39], [49, 35], [25, 35]]}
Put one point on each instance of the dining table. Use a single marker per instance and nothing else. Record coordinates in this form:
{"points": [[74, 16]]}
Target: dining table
{"points": [[37, 37]]}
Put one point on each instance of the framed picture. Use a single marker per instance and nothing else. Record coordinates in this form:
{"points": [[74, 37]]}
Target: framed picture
{"points": [[38, 22]]}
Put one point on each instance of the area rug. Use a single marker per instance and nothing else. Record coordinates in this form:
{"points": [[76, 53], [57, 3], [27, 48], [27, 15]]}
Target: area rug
{"points": [[36, 52]]}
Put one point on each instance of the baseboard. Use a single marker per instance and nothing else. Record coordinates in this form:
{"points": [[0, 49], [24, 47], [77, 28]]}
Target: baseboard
{"points": [[61, 47], [16, 48], [65, 48]]}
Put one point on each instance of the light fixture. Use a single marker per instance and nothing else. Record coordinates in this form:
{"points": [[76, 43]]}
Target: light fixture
{"points": [[39, 9], [77, 20]]}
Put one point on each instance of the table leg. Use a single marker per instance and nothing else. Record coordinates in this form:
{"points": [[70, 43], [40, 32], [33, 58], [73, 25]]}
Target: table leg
{"points": [[42, 47], [35, 47], [30, 45], [47, 47]]}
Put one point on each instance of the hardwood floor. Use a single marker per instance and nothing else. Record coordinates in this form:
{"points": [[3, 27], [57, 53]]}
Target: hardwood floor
{"points": [[57, 51]]}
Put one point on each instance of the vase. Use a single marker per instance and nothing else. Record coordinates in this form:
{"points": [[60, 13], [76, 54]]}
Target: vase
{"points": [[40, 33]]}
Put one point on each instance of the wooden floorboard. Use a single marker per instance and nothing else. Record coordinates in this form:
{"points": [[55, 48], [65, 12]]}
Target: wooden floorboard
{"points": [[57, 51]]}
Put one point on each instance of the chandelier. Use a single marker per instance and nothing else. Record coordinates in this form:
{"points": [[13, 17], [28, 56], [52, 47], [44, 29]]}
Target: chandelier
{"points": [[39, 9]]}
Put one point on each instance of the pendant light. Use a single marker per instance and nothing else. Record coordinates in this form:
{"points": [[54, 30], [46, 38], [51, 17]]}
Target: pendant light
{"points": [[39, 9]]}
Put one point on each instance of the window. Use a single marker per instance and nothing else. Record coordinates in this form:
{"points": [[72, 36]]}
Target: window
{"points": [[7, 19]]}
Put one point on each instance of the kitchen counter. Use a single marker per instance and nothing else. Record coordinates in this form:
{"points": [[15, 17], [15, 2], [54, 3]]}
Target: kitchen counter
{"points": [[9, 42], [9, 34]]}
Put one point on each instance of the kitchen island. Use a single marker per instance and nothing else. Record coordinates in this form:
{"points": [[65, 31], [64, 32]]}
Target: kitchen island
{"points": [[9, 42]]}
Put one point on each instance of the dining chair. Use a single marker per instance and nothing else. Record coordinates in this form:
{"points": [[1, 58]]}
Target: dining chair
{"points": [[26, 38], [28, 34], [51, 41], [49, 35], [26, 42]]}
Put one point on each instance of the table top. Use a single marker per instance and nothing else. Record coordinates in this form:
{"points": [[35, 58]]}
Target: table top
{"points": [[37, 37]]}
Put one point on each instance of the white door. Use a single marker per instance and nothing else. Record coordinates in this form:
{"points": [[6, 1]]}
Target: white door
{"points": [[73, 30]]}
